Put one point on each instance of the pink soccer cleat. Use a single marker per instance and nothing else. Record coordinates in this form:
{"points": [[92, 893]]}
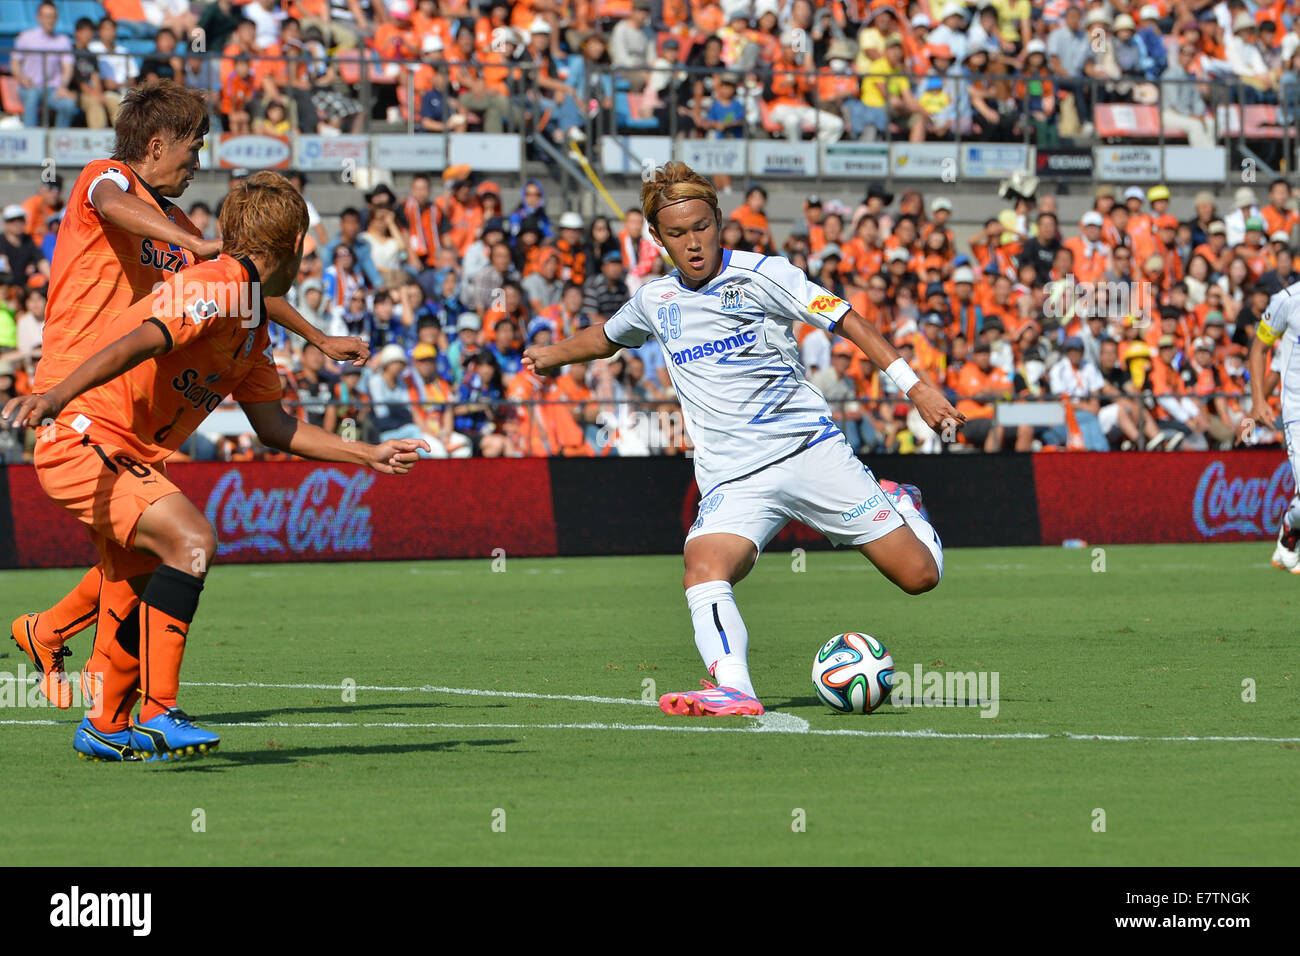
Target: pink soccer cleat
{"points": [[713, 701], [895, 490]]}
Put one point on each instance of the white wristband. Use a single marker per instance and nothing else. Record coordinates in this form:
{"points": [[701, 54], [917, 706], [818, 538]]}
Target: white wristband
{"points": [[901, 374]]}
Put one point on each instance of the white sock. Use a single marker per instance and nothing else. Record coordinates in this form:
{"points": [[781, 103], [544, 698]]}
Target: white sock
{"points": [[1291, 517], [720, 634], [922, 529]]}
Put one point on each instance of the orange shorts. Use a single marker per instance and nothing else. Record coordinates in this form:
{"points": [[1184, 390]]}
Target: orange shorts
{"points": [[107, 490]]}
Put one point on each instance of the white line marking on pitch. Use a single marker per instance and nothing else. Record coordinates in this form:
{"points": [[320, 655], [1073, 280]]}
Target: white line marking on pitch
{"points": [[772, 722]]}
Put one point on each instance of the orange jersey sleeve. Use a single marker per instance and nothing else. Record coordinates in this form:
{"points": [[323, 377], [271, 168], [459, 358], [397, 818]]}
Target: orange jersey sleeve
{"points": [[208, 314], [99, 270]]}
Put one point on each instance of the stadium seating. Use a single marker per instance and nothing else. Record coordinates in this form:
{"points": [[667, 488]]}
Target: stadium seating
{"points": [[1131, 121]]}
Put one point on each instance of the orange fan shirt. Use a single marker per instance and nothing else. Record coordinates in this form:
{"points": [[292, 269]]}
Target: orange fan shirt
{"points": [[152, 409], [99, 270]]}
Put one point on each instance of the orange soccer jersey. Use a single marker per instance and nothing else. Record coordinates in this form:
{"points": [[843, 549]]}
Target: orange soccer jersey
{"points": [[99, 270], [215, 351]]}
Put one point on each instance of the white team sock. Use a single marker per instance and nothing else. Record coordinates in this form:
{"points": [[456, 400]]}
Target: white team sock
{"points": [[1291, 517], [720, 634], [922, 529]]}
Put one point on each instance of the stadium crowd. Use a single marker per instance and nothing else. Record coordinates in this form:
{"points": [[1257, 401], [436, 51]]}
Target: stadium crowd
{"points": [[1136, 322], [855, 69]]}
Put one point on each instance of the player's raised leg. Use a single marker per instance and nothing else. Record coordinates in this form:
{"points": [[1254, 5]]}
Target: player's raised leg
{"points": [[911, 557], [174, 530], [41, 635]]}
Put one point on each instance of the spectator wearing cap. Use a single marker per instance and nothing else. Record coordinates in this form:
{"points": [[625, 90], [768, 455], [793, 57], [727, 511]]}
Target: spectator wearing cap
{"points": [[1151, 38], [605, 293], [432, 404], [21, 262], [1181, 412], [464, 344], [573, 257], [1184, 99], [1244, 208], [309, 299], [43, 63], [1246, 60], [1037, 94], [390, 399], [1254, 248], [967, 316], [839, 88], [1081, 383], [1091, 257]]}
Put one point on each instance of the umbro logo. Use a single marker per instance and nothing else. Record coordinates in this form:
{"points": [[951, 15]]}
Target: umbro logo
{"points": [[669, 294]]}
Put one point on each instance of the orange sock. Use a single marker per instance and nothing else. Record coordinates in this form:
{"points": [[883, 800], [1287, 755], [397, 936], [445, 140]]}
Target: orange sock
{"points": [[117, 662], [74, 613], [166, 610]]}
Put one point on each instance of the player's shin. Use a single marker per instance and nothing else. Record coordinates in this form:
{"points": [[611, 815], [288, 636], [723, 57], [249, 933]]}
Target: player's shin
{"points": [[118, 604], [922, 528], [166, 609], [73, 613], [720, 634], [117, 655]]}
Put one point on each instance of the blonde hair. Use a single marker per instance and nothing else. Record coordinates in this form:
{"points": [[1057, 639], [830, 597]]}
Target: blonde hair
{"points": [[673, 183], [264, 218]]}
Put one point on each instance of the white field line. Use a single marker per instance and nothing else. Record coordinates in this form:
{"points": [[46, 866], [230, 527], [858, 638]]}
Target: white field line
{"points": [[773, 722]]}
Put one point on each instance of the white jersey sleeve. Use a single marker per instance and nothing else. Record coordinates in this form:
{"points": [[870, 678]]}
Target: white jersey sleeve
{"points": [[787, 293], [1280, 326], [629, 327]]}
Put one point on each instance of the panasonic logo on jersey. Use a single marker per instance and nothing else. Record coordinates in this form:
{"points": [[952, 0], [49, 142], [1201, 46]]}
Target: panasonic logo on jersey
{"points": [[716, 347]]}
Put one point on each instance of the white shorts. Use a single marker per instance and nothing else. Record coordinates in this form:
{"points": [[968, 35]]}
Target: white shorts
{"points": [[826, 487]]}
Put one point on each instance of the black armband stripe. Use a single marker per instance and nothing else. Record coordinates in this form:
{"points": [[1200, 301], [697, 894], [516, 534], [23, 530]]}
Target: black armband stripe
{"points": [[167, 334]]}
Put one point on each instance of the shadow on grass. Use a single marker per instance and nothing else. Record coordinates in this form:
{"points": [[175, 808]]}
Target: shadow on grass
{"points": [[247, 716], [224, 760]]}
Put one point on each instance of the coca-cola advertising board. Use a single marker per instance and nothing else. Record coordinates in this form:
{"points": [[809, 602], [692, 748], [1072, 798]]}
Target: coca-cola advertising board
{"points": [[308, 511], [1147, 498]]}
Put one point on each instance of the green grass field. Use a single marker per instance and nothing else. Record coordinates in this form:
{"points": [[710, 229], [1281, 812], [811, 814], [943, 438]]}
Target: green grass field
{"points": [[417, 769]]}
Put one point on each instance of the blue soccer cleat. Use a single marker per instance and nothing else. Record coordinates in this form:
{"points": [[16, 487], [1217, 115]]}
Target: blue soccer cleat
{"points": [[92, 744], [172, 734]]}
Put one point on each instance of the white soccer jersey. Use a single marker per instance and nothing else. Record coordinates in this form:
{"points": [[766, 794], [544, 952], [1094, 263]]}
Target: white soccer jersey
{"points": [[731, 352], [1281, 321]]}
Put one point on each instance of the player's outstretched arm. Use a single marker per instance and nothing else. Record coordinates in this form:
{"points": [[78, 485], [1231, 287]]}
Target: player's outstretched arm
{"points": [[1260, 385], [277, 429], [134, 215], [591, 343], [149, 340], [934, 408], [341, 348]]}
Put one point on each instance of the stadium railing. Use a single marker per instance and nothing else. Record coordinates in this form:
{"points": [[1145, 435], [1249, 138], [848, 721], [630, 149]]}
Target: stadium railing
{"points": [[1257, 125]]}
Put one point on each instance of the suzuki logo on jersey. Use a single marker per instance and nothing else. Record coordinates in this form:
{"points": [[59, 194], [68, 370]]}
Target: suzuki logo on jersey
{"points": [[168, 260], [862, 509], [733, 300], [197, 393], [824, 303], [716, 347]]}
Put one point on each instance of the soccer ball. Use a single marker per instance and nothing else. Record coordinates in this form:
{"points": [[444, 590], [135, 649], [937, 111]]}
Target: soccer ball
{"points": [[853, 673]]}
